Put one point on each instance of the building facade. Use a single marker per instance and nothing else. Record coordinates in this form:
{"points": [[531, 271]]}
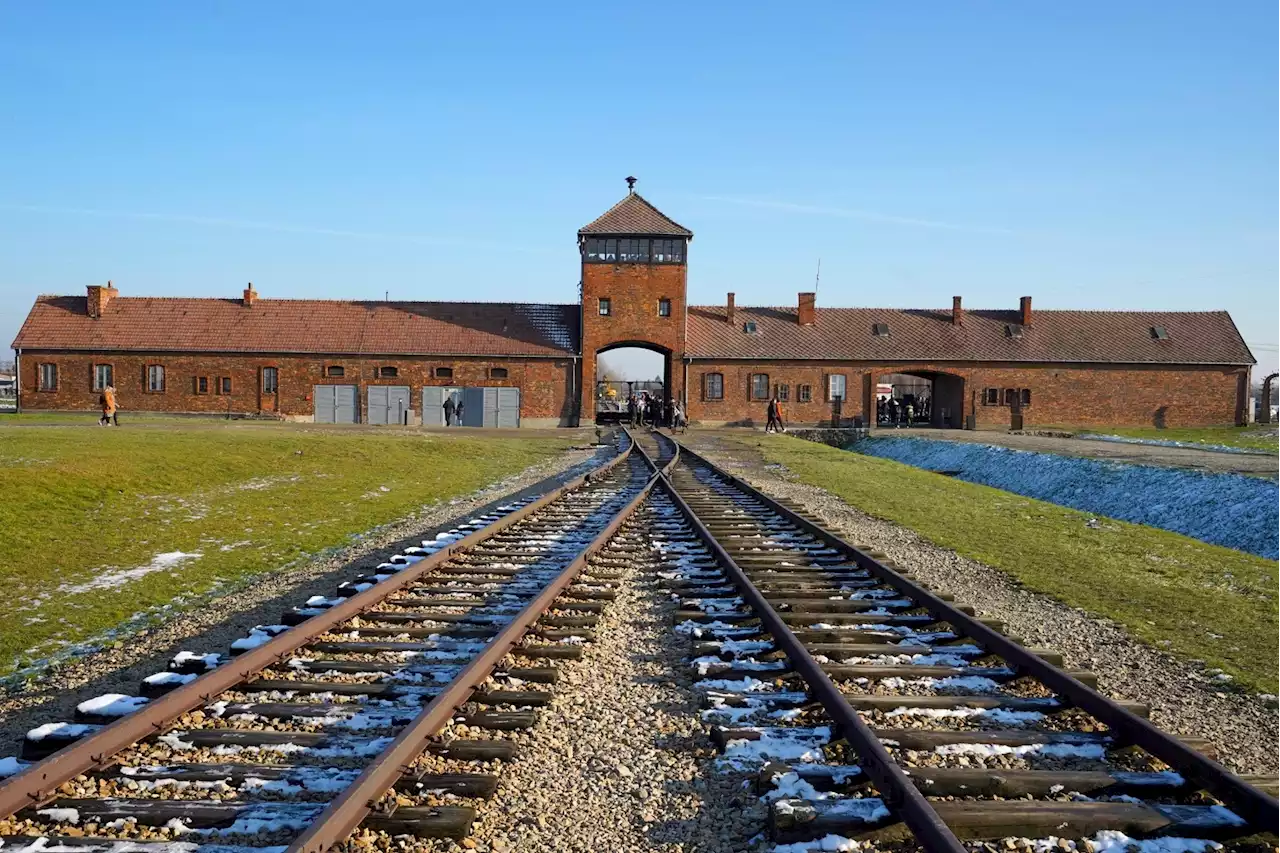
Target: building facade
{"points": [[535, 364]]}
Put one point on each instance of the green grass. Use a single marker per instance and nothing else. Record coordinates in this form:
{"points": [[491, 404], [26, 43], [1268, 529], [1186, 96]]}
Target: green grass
{"points": [[1253, 438], [1199, 600], [77, 504]]}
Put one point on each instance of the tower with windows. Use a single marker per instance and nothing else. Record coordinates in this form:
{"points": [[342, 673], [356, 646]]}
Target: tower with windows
{"points": [[634, 277]]}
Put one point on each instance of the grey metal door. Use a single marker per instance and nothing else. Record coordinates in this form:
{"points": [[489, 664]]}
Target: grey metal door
{"points": [[473, 407], [432, 405], [508, 400], [335, 404], [388, 403]]}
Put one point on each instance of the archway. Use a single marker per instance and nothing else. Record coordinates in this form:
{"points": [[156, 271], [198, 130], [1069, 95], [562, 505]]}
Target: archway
{"points": [[626, 369], [909, 398]]}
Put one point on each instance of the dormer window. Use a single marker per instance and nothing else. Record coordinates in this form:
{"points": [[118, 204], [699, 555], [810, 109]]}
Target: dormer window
{"points": [[880, 330], [1159, 333], [1012, 331], [750, 327]]}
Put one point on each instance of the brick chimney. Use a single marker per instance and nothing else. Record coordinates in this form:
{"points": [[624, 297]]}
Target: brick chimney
{"points": [[806, 315], [729, 309], [250, 296], [1025, 309], [957, 313], [99, 296]]}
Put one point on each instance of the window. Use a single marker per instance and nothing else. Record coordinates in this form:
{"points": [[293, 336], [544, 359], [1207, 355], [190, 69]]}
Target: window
{"points": [[202, 384], [759, 386], [1012, 331], [1159, 333], [335, 370], [668, 251], [601, 249], [664, 307], [783, 393], [224, 385], [1026, 396], [388, 372], [606, 307], [270, 380], [991, 396], [1010, 395], [835, 386], [497, 373], [880, 330], [155, 379], [750, 327], [101, 376], [713, 386], [634, 251], [804, 393], [443, 373], [48, 377]]}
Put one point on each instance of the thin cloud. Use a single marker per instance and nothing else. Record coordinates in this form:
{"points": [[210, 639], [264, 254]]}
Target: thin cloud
{"points": [[852, 213], [280, 227]]}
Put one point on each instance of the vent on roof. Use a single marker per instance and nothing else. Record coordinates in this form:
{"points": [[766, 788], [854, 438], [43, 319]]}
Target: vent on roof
{"points": [[750, 327], [880, 330], [1159, 333], [1012, 331]]}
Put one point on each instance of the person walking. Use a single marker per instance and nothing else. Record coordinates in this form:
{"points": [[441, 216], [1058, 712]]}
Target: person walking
{"points": [[782, 415], [109, 409], [631, 410], [457, 413], [448, 410], [772, 423], [911, 413], [678, 421]]}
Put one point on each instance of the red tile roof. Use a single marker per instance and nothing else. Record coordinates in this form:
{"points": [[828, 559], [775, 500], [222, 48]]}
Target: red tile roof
{"points": [[635, 216], [1117, 337], [303, 326]]}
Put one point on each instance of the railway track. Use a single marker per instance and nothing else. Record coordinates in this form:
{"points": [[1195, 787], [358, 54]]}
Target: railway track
{"points": [[375, 710], [872, 709]]}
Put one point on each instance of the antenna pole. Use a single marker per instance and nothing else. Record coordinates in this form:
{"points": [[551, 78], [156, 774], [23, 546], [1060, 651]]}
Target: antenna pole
{"points": [[818, 277]]}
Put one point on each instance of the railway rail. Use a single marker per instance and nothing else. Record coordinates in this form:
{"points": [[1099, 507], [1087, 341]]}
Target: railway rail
{"points": [[882, 711], [357, 711]]}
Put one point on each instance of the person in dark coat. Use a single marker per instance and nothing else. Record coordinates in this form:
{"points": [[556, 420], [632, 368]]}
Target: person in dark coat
{"points": [[457, 414], [631, 410], [774, 423], [449, 409]]}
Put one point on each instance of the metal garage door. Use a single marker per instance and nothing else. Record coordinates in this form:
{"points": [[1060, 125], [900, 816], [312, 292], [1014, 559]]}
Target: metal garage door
{"points": [[388, 403], [473, 407], [335, 404], [501, 407], [433, 397]]}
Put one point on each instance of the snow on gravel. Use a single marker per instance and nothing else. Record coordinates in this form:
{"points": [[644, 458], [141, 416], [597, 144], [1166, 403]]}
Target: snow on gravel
{"points": [[1223, 509]]}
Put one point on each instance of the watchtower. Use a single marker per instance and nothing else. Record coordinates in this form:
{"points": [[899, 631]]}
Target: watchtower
{"points": [[634, 277]]}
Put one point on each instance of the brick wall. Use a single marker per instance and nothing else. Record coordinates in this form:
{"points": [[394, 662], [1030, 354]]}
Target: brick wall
{"points": [[1082, 395], [633, 291], [544, 383]]}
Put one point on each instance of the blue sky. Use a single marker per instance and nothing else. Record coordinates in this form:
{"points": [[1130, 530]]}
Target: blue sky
{"points": [[1090, 154]]}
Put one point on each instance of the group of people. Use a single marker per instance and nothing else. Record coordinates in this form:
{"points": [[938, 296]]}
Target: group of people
{"points": [[909, 410], [452, 411], [775, 421], [646, 410]]}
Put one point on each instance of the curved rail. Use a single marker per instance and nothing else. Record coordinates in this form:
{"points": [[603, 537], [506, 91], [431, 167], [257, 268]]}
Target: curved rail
{"points": [[38, 784], [899, 791]]}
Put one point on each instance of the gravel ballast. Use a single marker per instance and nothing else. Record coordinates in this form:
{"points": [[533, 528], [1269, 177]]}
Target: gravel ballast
{"points": [[1183, 696], [213, 627]]}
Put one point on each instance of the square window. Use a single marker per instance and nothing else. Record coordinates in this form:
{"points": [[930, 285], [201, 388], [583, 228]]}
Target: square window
{"points": [[664, 307], [1026, 396], [102, 376], [804, 393], [48, 377], [270, 380], [991, 396], [835, 386], [1010, 396], [155, 379], [783, 393], [1159, 333], [759, 386], [224, 385], [202, 384], [880, 330], [606, 307], [713, 386]]}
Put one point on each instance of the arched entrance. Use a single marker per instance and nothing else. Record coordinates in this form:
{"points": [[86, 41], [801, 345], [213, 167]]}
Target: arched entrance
{"points": [[627, 368], [926, 397]]}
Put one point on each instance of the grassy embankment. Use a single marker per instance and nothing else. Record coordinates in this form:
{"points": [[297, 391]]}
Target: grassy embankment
{"points": [[1252, 438], [80, 506], [1199, 600]]}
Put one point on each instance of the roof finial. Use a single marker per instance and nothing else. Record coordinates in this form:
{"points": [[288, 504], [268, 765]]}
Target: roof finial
{"points": [[631, 184]]}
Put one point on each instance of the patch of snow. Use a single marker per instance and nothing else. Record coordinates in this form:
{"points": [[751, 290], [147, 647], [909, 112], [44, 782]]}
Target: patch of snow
{"points": [[161, 678], [1056, 750], [120, 577], [112, 705], [259, 636], [11, 766], [68, 730], [60, 815], [827, 842]]}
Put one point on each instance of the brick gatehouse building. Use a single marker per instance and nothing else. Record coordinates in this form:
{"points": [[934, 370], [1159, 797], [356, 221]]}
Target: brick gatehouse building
{"points": [[535, 364]]}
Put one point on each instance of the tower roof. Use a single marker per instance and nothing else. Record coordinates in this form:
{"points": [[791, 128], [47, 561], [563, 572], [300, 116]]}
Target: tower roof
{"points": [[635, 216]]}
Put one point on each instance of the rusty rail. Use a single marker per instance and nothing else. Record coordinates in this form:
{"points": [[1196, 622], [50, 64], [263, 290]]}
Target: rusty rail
{"points": [[38, 783], [1257, 807], [895, 787]]}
